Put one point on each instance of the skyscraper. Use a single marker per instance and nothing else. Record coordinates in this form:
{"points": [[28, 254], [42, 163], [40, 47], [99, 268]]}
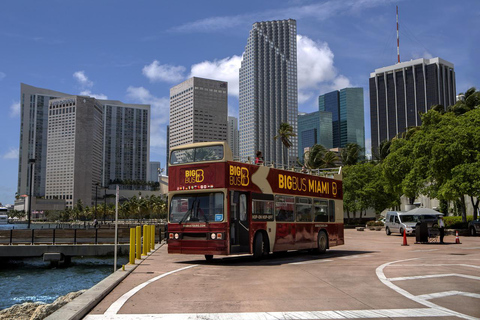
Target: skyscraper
{"points": [[398, 94], [74, 149], [198, 111], [314, 128], [268, 90], [33, 137], [127, 141], [346, 106], [125, 152], [232, 137]]}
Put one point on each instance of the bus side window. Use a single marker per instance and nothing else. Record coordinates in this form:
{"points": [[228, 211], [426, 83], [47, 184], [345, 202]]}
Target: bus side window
{"points": [[321, 210], [331, 211]]}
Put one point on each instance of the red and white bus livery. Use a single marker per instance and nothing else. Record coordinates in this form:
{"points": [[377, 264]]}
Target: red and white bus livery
{"points": [[222, 207]]}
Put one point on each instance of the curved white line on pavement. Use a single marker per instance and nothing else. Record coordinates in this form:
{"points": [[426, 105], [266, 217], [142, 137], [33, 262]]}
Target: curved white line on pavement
{"points": [[381, 276], [435, 276], [117, 305]]}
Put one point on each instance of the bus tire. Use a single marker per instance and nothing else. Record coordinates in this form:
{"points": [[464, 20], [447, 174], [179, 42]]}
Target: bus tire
{"points": [[209, 257], [258, 246], [322, 242], [387, 231]]}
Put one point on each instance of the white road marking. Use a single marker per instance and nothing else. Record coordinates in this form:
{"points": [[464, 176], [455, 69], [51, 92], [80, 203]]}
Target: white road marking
{"points": [[437, 295], [424, 250], [311, 261], [434, 276], [437, 265], [381, 276], [471, 248], [339, 314], [356, 256], [117, 305]]}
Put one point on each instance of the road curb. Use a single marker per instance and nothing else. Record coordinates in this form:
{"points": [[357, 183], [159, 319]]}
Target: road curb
{"points": [[80, 306]]}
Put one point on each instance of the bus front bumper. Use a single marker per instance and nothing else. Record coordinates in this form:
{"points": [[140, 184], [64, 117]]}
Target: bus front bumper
{"points": [[213, 247]]}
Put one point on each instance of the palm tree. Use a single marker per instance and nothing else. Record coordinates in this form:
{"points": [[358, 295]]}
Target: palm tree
{"points": [[351, 154], [285, 132], [470, 101], [383, 150], [319, 157]]}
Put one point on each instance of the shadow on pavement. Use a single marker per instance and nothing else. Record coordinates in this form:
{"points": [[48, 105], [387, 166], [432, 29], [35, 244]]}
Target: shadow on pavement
{"points": [[280, 258]]}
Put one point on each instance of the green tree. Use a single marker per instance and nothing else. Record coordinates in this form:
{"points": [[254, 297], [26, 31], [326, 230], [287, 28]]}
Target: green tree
{"points": [[319, 157], [285, 133]]}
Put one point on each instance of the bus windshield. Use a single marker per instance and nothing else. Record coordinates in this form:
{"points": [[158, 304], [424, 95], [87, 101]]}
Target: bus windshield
{"points": [[198, 154], [199, 207]]}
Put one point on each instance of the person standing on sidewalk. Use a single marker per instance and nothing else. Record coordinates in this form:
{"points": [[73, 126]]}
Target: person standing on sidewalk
{"points": [[441, 228]]}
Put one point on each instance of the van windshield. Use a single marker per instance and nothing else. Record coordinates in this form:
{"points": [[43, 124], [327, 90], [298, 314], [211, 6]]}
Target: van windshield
{"points": [[409, 218], [417, 218]]}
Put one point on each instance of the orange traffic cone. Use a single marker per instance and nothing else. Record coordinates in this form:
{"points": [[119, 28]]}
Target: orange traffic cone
{"points": [[457, 239], [404, 238]]}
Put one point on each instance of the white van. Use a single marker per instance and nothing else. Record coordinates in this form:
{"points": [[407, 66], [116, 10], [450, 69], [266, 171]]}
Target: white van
{"points": [[399, 221]]}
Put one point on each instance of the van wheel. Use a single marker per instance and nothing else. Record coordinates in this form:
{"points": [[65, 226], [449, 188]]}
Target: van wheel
{"points": [[387, 231], [258, 246], [473, 232], [401, 231], [322, 242]]}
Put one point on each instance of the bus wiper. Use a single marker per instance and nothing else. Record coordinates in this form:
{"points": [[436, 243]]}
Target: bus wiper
{"points": [[188, 213]]}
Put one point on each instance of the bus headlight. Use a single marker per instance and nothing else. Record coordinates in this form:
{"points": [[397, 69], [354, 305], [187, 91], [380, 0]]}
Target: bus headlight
{"points": [[216, 236]]}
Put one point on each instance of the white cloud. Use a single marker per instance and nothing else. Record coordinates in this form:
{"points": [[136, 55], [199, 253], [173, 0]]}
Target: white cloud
{"points": [[160, 109], [163, 72], [94, 95], [11, 154], [82, 79], [15, 109], [316, 70], [224, 70], [2, 75]]}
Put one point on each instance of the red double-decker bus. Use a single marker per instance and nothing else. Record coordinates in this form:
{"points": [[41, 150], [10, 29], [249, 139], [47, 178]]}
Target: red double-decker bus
{"points": [[222, 207]]}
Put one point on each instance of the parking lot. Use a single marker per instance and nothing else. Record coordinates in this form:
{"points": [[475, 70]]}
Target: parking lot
{"points": [[371, 276]]}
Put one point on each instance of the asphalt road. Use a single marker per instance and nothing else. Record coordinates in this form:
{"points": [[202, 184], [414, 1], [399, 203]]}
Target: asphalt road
{"points": [[372, 276]]}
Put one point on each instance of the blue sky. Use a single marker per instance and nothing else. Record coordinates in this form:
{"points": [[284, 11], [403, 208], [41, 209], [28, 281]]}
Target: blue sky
{"points": [[135, 51]]}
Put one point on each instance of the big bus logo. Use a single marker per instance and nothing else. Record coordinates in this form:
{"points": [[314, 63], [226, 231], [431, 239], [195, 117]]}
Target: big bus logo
{"points": [[194, 176], [239, 176]]}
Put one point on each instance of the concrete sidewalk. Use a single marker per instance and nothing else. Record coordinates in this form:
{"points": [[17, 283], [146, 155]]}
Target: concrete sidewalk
{"points": [[80, 306]]}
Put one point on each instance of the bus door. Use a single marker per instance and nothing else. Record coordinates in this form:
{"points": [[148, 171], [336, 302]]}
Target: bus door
{"points": [[239, 230]]}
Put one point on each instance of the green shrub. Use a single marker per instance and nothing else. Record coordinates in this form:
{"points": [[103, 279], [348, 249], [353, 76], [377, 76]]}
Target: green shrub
{"points": [[455, 222], [378, 224], [370, 223]]}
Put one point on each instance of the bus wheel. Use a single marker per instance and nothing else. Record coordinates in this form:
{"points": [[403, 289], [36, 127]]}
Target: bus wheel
{"points": [[322, 242], [258, 246], [387, 231], [209, 257]]}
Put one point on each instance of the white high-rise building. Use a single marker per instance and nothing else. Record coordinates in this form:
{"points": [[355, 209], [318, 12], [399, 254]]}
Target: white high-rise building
{"points": [[198, 111], [74, 149], [232, 138], [126, 148], [268, 90]]}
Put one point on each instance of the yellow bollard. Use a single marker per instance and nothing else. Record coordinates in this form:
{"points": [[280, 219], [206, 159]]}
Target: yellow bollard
{"points": [[152, 237], [132, 246], [138, 242], [144, 240], [148, 238]]}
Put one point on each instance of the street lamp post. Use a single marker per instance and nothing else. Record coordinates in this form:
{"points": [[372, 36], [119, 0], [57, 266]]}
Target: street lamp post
{"points": [[96, 186], [31, 162], [104, 204]]}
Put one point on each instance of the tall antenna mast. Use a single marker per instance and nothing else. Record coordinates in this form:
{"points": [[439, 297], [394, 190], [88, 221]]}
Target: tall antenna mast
{"points": [[398, 40]]}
